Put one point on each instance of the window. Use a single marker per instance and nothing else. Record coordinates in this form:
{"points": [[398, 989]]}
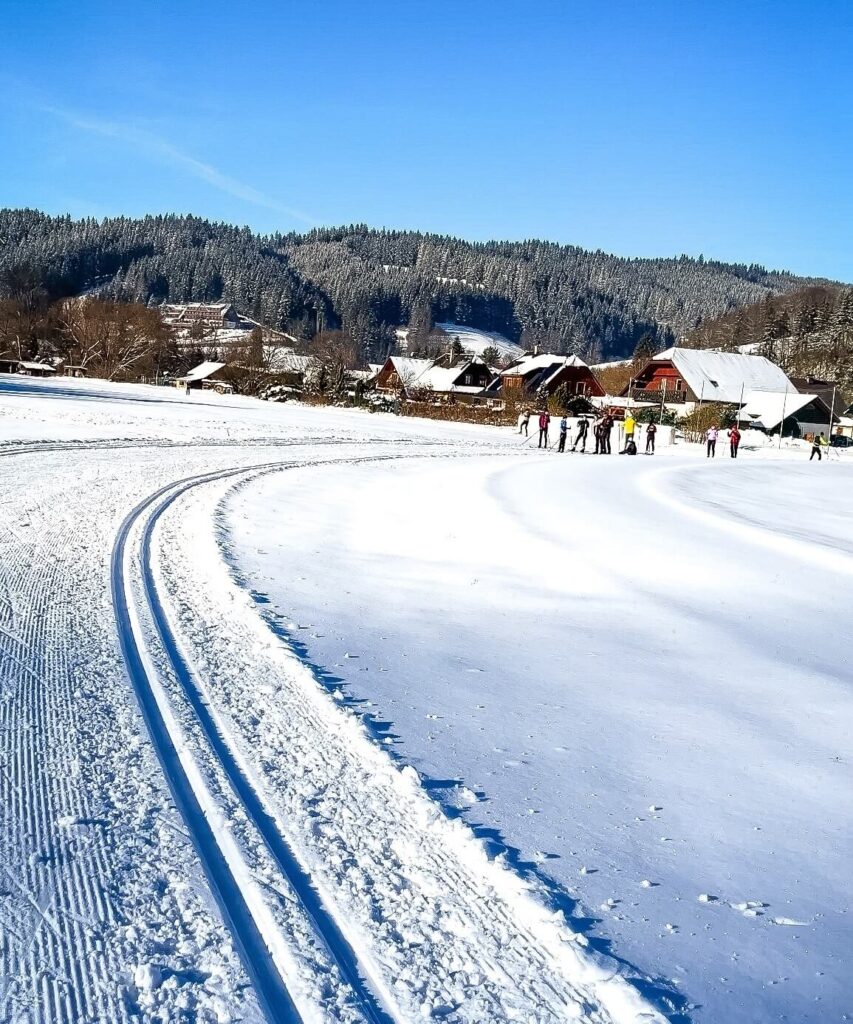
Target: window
{"points": [[468, 379]]}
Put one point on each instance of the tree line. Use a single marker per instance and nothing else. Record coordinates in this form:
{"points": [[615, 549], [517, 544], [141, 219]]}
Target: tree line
{"points": [[365, 282], [808, 332]]}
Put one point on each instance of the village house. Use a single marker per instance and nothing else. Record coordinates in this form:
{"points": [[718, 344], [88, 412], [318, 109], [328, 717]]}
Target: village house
{"points": [[422, 379], [828, 390], [795, 414], [540, 376], [681, 377], [207, 376]]}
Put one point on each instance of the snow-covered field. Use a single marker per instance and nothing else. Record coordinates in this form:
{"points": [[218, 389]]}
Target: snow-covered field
{"points": [[326, 716]]}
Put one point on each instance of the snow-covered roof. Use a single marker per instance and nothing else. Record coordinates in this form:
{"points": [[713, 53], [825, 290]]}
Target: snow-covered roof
{"points": [[211, 307], [767, 408], [527, 364], [408, 369], [202, 371], [724, 376], [426, 374], [439, 378], [293, 363], [24, 365]]}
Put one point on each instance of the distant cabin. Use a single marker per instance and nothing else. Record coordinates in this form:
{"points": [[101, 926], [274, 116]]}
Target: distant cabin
{"points": [[207, 376], [26, 367]]}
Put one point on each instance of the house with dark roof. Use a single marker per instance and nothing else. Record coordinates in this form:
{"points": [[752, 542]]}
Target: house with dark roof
{"points": [[539, 376], [425, 379]]}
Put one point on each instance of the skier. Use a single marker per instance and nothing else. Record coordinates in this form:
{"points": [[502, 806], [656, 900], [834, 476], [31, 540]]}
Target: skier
{"points": [[544, 421], [734, 440], [606, 428], [564, 429], [598, 433], [629, 424], [818, 443], [711, 437], [187, 390], [524, 422], [583, 427], [651, 430]]}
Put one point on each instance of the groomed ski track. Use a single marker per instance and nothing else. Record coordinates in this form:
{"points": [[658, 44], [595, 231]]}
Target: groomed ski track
{"points": [[495, 947]]}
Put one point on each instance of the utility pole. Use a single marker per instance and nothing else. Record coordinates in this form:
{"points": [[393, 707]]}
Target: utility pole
{"points": [[782, 423], [832, 413]]}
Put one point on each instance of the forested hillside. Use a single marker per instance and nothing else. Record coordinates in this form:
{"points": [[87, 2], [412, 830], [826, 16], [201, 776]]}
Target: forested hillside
{"points": [[809, 332], [367, 281]]}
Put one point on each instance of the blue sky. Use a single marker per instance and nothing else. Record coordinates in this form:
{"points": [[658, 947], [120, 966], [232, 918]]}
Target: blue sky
{"points": [[723, 128]]}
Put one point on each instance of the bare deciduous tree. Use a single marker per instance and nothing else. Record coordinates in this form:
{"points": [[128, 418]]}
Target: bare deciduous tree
{"points": [[115, 340]]}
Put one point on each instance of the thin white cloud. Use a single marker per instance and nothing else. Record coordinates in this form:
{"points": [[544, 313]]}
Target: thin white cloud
{"points": [[162, 149]]}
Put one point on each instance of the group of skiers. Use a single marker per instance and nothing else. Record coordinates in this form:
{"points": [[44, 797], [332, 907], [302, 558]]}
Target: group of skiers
{"points": [[711, 435], [602, 428]]}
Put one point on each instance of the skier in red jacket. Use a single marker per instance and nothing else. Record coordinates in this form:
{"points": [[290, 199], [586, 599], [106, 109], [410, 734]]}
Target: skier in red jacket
{"points": [[544, 421]]}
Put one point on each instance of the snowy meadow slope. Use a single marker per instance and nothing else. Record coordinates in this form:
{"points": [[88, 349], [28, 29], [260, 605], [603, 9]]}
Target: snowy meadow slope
{"points": [[249, 652], [631, 675]]}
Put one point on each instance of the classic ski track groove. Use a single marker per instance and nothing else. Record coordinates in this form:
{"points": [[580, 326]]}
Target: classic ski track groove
{"points": [[272, 992]]}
